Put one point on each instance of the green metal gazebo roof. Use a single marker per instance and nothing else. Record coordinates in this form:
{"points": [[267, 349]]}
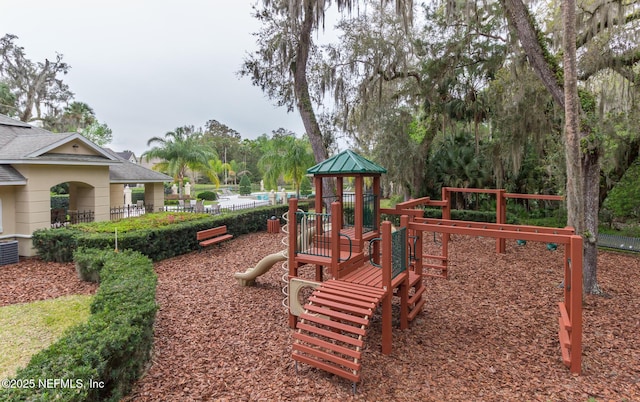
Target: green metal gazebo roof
{"points": [[346, 162]]}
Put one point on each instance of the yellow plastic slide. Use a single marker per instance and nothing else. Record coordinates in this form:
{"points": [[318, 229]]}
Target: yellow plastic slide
{"points": [[248, 278]]}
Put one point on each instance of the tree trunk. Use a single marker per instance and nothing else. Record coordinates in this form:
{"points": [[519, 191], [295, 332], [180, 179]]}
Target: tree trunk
{"points": [[303, 99], [582, 158]]}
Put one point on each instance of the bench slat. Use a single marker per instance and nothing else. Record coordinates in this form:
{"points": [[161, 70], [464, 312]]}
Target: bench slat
{"points": [[212, 236], [215, 240], [208, 233]]}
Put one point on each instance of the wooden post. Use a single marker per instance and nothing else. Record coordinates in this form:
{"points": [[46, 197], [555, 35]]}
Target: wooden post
{"points": [[501, 218], [446, 214], [377, 194], [386, 283], [335, 238], [404, 288], [575, 304], [358, 211], [317, 181], [292, 228]]}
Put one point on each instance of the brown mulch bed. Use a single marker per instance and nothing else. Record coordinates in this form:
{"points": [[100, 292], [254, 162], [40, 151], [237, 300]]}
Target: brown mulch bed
{"points": [[488, 333], [31, 280]]}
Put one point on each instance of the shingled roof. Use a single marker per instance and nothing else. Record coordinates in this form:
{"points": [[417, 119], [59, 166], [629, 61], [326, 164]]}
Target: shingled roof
{"points": [[346, 162], [9, 176], [131, 173], [21, 143]]}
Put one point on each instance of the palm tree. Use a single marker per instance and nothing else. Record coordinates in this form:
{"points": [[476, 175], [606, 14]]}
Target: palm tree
{"points": [[77, 116], [280, 66], [217, 169], [180, 150], [289, 157]]}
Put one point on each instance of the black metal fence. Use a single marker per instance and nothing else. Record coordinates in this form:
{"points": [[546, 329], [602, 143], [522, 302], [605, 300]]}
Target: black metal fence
{"points": [[214, 209], [619, 242], [63, 217], [128, 211]]}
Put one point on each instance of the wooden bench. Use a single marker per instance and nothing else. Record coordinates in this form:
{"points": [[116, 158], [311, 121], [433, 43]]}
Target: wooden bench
{"points": [[212, 236]]}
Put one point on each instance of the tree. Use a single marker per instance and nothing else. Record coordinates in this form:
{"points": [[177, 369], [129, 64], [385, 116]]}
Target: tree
{"points": [[76, 117], [286, 156], [280, 66], [245, 185], [38, 89], [216, 169], [7, 100], [583, 145], [455, 163], [305, 187], [180, 150], [98, 133]]}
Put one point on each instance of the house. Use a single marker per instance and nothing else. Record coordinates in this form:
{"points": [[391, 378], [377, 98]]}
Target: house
{"points": [[128, 156], [32, 160]]}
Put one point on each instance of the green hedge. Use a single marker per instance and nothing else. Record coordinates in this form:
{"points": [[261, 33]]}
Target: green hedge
{"points": [[89, 263], [468, 215], [208, 196], [60, 201], [109, 351], [137, 196], [157, 243], [457, 214]]}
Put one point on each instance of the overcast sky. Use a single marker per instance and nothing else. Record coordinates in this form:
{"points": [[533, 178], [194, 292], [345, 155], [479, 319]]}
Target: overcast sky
{"points": [[147, 67]]}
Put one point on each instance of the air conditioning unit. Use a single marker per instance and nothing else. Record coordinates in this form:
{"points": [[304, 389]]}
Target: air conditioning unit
{"points": [[9, 252]]}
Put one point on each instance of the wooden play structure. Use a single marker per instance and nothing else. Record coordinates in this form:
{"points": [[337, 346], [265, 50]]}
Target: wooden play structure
{"points": [[359, 263]]}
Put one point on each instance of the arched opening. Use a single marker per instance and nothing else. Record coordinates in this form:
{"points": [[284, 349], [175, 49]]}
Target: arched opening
{"points": [[72, 202]]}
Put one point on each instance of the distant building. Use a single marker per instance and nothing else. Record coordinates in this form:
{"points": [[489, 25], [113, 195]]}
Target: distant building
{"points": [[32, 160]]}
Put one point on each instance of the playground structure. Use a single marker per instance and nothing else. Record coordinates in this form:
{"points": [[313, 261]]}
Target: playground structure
{"points": [[359, 264], [570, 309]]}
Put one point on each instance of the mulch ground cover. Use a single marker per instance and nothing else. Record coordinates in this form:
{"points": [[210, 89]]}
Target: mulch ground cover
{"points": [[488, 333]]}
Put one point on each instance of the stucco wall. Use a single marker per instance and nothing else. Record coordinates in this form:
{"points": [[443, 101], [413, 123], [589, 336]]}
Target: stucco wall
{"points": [[154, 195], [33, 204], [8, 218], [116, 195]]}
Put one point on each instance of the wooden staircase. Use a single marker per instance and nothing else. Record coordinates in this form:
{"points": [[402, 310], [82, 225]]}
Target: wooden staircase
{"points": [[330, 332]]}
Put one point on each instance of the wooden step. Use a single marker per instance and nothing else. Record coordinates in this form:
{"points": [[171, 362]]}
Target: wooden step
{"points": [[416, 296], [327, 357], [336, 314], [341, 307], [354, 288], [356, 296], [351, 375], [332, 324], [355, 354], [330, 331], [416, 310], [356, 342]]}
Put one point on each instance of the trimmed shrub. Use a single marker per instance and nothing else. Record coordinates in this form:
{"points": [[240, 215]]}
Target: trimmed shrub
{"points": [[245, 185], [468, 215], [305, 187], [457, 214], [111, 349], [208, 196], [158, 243], [137, 196], [89, 263]]}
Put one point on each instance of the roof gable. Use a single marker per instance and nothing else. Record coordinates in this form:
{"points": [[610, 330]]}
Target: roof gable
{"points": [[23, 143], [346, 162]]}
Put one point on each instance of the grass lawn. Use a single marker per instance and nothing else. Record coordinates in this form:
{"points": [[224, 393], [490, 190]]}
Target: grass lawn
{"points": [[28, 328]]}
